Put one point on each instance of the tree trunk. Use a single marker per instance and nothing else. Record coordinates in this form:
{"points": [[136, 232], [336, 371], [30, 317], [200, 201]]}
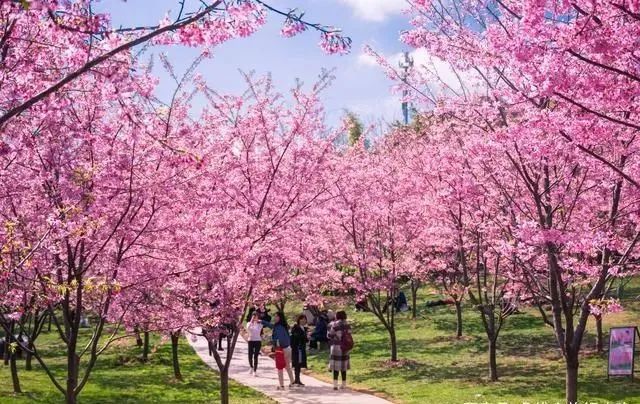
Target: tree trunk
{"points": [[10, 358], [620, 290], [493, 364], [224, 386], [145, 347], [14, 373], [280, 305], [27, 360], [138, 338], [71, 399], [392, 329], [73, 360], [571, 386], [7, 342], [394, 344], [414, 299], [175, 338], [73, 365], [458, 319], [599, 336]]}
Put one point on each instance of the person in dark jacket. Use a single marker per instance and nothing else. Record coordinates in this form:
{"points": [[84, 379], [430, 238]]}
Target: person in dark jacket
{"points": [[263, 314], [401, 302], [299, 347], [226, 331], [319, 334], [362, 305]]}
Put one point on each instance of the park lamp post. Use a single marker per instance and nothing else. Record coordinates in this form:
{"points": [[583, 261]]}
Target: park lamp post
{"points": [[405, 64]]}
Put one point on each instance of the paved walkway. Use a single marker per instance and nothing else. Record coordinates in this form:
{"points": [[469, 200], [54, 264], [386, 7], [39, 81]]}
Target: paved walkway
{"points": [[315, 391]]}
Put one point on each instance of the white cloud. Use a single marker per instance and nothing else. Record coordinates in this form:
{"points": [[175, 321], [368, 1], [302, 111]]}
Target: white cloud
{"points": [[438, 72], [365, 59], [445, 75], [441, 70], [371, 111], [376, 10]]}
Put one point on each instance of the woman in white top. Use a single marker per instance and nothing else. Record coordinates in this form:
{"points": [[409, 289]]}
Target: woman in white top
{"points": [[254, 329]]}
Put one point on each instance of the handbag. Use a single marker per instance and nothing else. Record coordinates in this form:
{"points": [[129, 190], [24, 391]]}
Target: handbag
{"points": [[281, 363], [346, 342]]}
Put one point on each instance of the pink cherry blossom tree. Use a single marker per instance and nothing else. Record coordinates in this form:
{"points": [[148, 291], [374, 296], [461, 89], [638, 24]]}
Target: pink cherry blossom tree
{"points": [[371, 224], [97, 179], [262, 162], [471, 220]]}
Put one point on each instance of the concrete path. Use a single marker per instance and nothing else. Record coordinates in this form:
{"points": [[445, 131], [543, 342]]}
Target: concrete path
{"points": [[315, 391]]}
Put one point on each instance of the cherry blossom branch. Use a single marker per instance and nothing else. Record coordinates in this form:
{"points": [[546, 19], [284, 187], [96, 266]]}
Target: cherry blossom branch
{"points": [[603, 66], [513, 13], [298, 17], [100, 59], [601, 159], [626, 10], [599, 114]]}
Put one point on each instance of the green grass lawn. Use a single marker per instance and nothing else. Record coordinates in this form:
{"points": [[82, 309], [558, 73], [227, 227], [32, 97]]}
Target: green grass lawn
{"points": [[436, 367], [119, 377]]}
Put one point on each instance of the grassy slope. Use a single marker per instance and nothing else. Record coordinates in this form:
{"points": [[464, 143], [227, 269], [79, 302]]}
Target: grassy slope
{"points": [[441, 369], [119, 377]]}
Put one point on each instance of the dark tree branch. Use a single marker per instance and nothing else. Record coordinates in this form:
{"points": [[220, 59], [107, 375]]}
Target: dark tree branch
{"points": [[603, 66]]}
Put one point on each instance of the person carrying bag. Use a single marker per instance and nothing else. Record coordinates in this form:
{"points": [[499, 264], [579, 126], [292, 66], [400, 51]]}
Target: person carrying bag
{"points": [[281, 342], [341, 342]]}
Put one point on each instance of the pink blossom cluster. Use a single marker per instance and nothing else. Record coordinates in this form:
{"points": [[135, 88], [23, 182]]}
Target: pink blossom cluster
{"points": [[334, 43], [292, 27], [603, 307]]}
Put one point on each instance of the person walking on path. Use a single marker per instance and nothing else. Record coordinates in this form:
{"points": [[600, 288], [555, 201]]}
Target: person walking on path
{"points": [[254, 331], [281, 339], [341, 342], [299, 341]]}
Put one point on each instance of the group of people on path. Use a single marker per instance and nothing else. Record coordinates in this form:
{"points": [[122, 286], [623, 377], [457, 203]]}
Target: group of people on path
{"points": [[290, 346]]}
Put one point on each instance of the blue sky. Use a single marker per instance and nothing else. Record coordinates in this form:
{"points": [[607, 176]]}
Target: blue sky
{"points": [[359, 86]]}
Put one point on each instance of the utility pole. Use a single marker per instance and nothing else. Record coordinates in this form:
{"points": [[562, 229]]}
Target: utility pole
{"points": [[405, 65]]}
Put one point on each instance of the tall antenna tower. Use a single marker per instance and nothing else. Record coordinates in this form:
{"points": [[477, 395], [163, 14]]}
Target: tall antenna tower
{"points": [[405, 65]]}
